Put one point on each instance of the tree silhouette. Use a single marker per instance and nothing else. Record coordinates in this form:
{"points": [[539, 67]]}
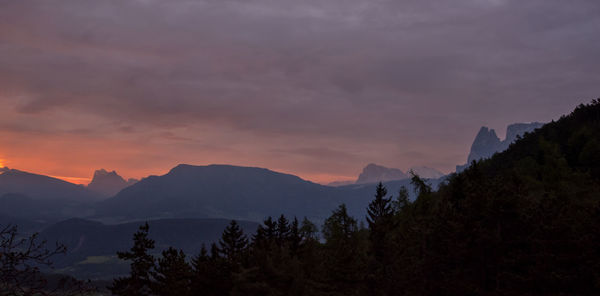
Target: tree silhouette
{"points": [[172, 274], [139, 281], [233, 243]]}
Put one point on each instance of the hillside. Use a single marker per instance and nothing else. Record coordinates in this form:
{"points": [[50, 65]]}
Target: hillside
{"points": [[524, 220]]}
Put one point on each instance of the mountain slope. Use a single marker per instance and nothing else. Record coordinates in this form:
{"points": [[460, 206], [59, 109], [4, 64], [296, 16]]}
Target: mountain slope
{"points": [[526, 219]]}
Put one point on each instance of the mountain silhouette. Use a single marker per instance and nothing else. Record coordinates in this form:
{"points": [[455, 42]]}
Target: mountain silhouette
{"points": [[233, 192], [41, 198], [40, 187], [373, 173], [107, 183], [217, 191]]}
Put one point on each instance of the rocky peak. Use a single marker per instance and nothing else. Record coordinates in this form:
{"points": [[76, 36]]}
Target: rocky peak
{"points": [[487, 143], [373, 173], [108, 183]]}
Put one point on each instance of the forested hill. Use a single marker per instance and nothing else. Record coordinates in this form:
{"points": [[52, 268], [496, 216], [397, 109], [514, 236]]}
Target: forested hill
{"points": [[525, 222]]}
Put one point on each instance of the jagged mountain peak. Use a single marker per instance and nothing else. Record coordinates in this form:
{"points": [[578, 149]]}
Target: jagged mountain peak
{"points": [[108, 183], [487, 143]]}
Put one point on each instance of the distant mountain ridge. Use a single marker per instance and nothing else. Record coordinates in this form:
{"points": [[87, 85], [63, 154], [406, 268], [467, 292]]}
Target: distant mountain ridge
{"points": [[487, 143], [41, 198], [42, 187], [108, 183], [373, 173], [217, 191]]}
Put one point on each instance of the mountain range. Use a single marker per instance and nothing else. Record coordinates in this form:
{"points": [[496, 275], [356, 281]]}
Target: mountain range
{"points": [[225, 191], [190, 199], [214, 191], [187, 191], [373, 173], [44, 187]]}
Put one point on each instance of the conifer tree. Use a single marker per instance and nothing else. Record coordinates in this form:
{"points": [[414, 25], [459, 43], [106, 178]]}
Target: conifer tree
{"points": [[309, 230], [295, 236], [172, 274], [283, 230], [233, 243], [380, 218], [270, 228], [402, 201], [344, 254], [139, 281], [211, 273]]}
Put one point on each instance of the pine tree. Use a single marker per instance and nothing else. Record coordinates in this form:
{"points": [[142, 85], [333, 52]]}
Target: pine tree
{"points": [[270, 228], [283, 230], [402, 201], [295, 236], [139, 281], [233, 243], [211, 273], [200, 272], [173, 274], [380, 209], [309, 230], [344, 255], [380, 219]]}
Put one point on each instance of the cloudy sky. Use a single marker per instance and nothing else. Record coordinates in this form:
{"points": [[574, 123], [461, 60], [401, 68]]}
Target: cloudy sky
{"points": [[317, 88]]}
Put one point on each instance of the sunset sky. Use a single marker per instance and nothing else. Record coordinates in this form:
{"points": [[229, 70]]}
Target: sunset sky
{"points": [[316, 88]]}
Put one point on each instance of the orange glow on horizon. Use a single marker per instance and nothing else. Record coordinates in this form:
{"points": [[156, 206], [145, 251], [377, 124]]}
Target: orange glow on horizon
{"points": [[74, 180]]}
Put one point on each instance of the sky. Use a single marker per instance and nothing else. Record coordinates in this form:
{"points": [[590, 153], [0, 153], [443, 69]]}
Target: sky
{"points": [[316, 88]]}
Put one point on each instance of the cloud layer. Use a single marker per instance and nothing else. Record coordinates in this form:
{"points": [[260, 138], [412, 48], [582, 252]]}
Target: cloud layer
{"points": [[316, 88]]}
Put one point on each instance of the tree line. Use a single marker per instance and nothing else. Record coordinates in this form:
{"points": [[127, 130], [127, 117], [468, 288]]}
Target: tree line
{"points": [[283, 257], [524, 222]]}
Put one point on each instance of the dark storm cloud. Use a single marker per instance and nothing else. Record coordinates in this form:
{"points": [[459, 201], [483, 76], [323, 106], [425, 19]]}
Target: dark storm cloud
{"points": [[372, 80]]}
